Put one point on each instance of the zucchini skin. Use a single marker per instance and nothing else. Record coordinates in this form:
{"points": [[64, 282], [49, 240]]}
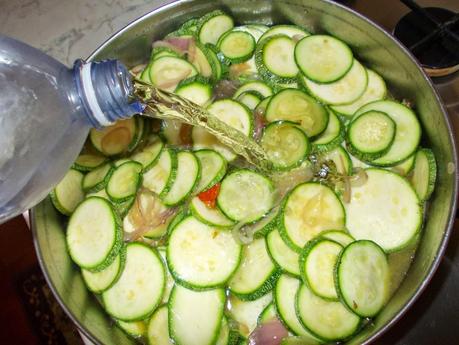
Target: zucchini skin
{"points": [[263, 289]]}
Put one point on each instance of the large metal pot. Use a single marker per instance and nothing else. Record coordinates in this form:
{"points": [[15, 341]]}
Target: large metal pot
{"points": [[374, 47]]}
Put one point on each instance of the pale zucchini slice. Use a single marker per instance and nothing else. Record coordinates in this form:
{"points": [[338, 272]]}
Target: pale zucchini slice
{"points": [[385, 210], [339, 236], [284, 299], [224, 334], [328, 320], [68, 193], [209, 216], [160, 178], [188, 171], [158, 327], [255, 30], [202, 139], [194, 267], [138, 291], [405, 167], [375, 91], [149, 155], [268, 314], [94, 218], [296, 106], [250, 99], [124, 181], [317, 264], [291, 31], [212, 26], [424, 174], [233, 114], [274, 58], [363, 278], [170, 132], [167, 71], [96, 179], [309, 209], [98, 282], [195, 316], [213, 168], [196, 90], [135, 329], [333, 135], [262, 88], [115, 139], [170, 282], [340, 158], [246, 313], [407, 135], [282, 254], [343, 91], [323, 58], [88, 162], [245, 196], [256, 274]]}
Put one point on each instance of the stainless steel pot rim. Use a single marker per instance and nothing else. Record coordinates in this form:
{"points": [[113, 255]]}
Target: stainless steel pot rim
{"points": [[434, 265]]}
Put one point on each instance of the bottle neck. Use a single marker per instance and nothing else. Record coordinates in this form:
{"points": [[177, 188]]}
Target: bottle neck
{"points": [[105, 90]]}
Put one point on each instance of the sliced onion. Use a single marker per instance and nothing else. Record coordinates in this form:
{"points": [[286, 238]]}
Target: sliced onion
{"points": [[269, 333], [242, 233], [296, 38], [347, 190], [191, 51], [177, 44], [359, 178], [260, 123], [285, 182]]}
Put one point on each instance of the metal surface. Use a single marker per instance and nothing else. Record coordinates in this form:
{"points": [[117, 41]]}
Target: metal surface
{"points": [[374, 47]]}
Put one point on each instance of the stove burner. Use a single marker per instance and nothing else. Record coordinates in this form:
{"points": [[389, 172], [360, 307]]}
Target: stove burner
{"points": [[432, 35]]}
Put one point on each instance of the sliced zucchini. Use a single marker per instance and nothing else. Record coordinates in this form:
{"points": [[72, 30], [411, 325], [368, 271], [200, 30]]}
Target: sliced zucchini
{"points": [[309, 209], [296, 106], [245, 196], [285, 144], [68, 193], [115, 139], [94, 218], [188, 171], [407, 135], [255, 30], [194, 267], [323, 58], [203, 61], [195, 317], [246, 313], [98, 282], [215, 62], [160, 178], [196, 90], [139, 289], [284, 299], [145, 74], [237, 46], [256, 275], [169, 279], [340, 159], [291, 31], [209, 216], [343, 91], [149, 155], [339, 236], [282, 254], [96, 179], [363, 278], [122, 208], [317, 262], [224, 334], [258, 86], [170, 132], [385, 210], [333, 135], [158, 327], [156, 53], [370, 135], [167, 71], [233, 114], [274, 58], [405, 167], [88, 162], [299, 340], [124, 181], [266, 224], [268, 314], [135, 329], [213, 25], [250, 99], [375, 91], [424, 174], [213, 168], [328, 320]]}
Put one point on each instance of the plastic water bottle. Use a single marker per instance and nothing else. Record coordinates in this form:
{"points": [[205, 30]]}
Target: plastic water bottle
{"points": [[46, 111]]}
